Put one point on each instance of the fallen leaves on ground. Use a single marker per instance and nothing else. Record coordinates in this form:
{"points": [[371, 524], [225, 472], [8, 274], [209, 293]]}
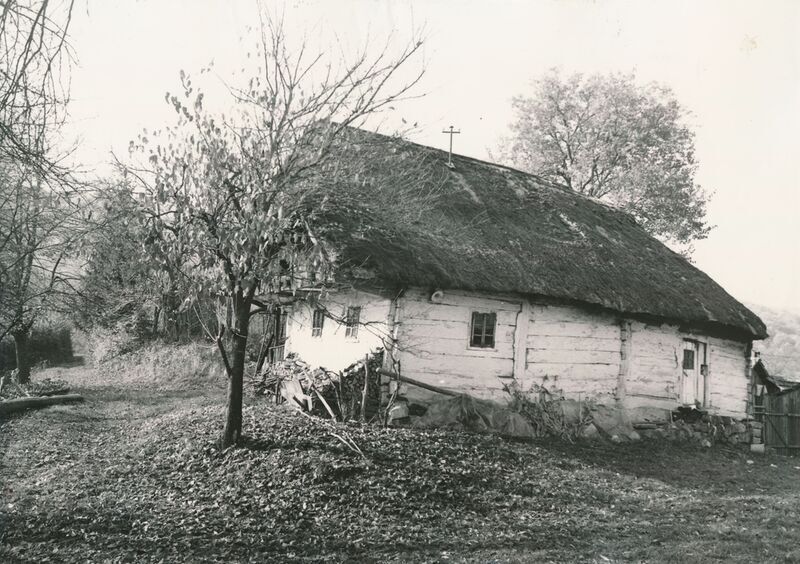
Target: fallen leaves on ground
{"points": [[133, 476]]}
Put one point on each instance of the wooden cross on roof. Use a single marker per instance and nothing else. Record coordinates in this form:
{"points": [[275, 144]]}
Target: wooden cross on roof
{"points": [[451, 132]]}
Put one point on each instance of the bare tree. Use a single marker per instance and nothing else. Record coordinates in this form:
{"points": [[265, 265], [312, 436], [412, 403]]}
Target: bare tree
{"points": [[33, 55], [244, 195], [39, 229]]}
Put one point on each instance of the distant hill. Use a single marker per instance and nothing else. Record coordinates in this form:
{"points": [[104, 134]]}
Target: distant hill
{"points": [[781, 352]]}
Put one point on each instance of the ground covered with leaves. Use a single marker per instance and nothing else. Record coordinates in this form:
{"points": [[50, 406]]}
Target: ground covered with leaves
{"points": [[132, 475]]}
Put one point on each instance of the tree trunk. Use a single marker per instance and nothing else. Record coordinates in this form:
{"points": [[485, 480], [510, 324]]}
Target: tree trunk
{"points": [[233, 418], [156, 316], [22, 355]]}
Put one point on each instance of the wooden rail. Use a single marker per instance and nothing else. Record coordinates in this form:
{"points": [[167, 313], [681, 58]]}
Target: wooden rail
{"points": [[419, 384]]}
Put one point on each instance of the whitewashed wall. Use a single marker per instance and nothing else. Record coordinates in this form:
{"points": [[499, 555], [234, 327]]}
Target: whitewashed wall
{"points": [[728, 377], [573, 351], [433, 343], [333, 350], [655, 370], [566, 349]]}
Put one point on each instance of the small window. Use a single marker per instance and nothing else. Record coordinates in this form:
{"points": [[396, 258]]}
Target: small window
{"points": [[482, 332], [317, 322], [688, 359], [351, 322]]}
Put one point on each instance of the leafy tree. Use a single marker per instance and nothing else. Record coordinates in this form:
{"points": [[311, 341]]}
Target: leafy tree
{"points": [[610, 138], [243, 196], [123, 281]]}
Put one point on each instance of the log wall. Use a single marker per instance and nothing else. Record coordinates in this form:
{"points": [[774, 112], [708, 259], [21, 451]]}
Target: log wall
{"points": [[568, 350], [433, 342], [573, 351], [655, 370]]}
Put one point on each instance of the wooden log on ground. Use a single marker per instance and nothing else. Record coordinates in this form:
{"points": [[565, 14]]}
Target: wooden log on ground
{"points": [[20, 404]]}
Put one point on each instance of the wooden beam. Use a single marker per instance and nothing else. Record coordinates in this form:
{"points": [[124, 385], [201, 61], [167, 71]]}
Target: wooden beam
{"points": [[624, 363], [521, 342], [419, 384]]}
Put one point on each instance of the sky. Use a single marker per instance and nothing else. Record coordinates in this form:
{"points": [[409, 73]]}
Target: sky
{"points": [[735, 65]]}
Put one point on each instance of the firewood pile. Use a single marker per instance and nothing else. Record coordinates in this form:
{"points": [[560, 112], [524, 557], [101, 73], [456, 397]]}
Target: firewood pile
{"points": [[338, 395]]}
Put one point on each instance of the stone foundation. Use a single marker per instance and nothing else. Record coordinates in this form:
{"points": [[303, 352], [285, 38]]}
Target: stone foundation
{"points": [[702, 429]]}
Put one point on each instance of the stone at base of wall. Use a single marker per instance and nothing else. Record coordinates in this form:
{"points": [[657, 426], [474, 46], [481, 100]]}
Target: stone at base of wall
{"points": [[712, 428]]}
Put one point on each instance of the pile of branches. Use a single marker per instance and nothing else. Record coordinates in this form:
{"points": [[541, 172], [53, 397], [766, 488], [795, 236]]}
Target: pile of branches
{"points": [[545, 412], [336, 395]]}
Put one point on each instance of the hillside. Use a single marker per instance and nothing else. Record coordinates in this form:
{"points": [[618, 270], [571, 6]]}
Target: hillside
{"points": [[781, 351]]}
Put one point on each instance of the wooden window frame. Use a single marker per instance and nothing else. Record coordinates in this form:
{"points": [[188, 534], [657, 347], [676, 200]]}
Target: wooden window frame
{"points": [[352, 319], [479, 337], [317, 322]]}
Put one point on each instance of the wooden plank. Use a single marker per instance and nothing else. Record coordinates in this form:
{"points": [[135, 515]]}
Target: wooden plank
{"points": [[468, 298], [457, 331], [624, 364], [442, 312], [520, 342], [536, 371], [573, 357], [570, 329], [427, 347], [468, 366], [551, 342], [553, 313], [456, 381]]}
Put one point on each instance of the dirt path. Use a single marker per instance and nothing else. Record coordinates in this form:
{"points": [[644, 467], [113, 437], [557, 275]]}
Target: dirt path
{"points": [[66, 437]]}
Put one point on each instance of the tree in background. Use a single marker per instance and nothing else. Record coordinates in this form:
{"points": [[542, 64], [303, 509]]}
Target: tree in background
{"points": [[39, 228], [33, 55], [37, 210], [608, 137], [125, 282], [242, 196]]}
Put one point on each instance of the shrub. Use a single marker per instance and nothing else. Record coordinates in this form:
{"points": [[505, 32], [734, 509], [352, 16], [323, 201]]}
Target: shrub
{"points": [[183, 366], [51, 344], [547, 412]]}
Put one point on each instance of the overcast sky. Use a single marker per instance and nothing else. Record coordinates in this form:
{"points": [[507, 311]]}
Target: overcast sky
{"points": [[734, 65]]}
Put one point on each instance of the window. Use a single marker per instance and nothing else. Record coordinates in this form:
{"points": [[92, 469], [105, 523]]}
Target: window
{"points": [[688, 359], [482, 332], [351, 322], [317, 322]]}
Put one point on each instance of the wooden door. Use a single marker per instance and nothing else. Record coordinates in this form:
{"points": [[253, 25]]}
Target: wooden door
{"points": [[691, 381]]}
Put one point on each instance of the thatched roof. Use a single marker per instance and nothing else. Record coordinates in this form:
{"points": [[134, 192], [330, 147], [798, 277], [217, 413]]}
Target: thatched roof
{"points": [[497, 229]]}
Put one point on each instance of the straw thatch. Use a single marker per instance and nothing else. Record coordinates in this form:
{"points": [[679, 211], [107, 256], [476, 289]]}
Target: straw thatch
{"points": [[491, 228]]}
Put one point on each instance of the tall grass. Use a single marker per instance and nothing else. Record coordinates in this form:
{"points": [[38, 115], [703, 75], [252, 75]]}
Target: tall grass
{"points": [[160, 365]]}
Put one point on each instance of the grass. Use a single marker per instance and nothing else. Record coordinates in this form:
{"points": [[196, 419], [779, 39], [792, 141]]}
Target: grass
{"points": [[132, 475]]}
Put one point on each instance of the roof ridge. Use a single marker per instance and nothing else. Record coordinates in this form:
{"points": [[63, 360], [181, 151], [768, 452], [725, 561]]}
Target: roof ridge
{"points": [[544, 182]]}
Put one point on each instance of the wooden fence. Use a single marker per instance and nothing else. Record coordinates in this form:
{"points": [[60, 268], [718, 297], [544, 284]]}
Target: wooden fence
{"points": [[780, 414]]}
